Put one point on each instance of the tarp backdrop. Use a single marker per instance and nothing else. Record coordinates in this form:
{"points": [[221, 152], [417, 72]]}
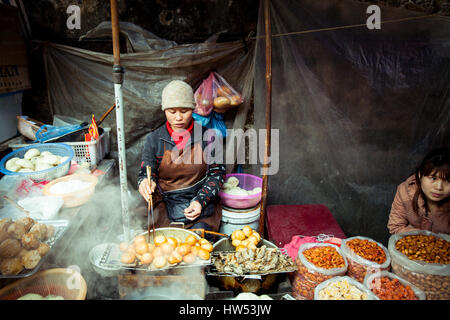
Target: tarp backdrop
{"points": [[80, 81], [356, 108]]}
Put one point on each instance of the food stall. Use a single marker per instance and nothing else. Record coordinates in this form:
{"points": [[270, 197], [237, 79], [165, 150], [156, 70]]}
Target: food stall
{"points": [[63, 221]]}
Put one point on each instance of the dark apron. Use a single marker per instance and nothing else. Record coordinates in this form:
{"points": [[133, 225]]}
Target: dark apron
{"points": [[178, 184]]}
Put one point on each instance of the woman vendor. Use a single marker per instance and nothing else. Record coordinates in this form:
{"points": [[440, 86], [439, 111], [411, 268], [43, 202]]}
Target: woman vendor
{"points": [[422, 202], [184, 185]]}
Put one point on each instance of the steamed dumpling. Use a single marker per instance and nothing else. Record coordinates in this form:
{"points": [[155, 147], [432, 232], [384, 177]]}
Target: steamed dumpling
{"points": [[233, 181], [24, 163], [31, 153]]}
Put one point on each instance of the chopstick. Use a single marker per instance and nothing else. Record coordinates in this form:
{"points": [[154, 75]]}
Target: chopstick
{"points": [[150, 205], [16, 205]]}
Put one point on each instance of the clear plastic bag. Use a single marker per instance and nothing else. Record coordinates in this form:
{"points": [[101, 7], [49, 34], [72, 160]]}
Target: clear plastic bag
{"points": [[308, 276], [370, 281], [351, 282], [358, 266], [432, 278], [204, 97], [225, 96], [215, 93]]}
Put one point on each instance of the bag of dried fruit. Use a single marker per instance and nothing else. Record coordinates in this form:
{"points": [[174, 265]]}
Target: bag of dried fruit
{"points": [[316, 263], [343, 288], [388, 286], [364, 255], [423, 258]]}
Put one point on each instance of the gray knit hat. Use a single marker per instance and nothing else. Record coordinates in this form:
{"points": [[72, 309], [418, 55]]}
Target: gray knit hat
{"points": [[178, 94]]}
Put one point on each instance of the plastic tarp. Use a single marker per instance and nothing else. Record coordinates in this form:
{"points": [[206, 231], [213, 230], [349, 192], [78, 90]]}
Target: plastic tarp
{"points": [[80, 81], [356, 108]]}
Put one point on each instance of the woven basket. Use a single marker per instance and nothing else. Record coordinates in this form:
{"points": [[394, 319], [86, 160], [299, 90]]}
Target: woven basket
{"points": [[67, 283]]}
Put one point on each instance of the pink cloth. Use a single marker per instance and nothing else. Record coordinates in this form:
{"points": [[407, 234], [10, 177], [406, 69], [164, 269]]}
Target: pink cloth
{"points": [[293, 246], [297, 241]]}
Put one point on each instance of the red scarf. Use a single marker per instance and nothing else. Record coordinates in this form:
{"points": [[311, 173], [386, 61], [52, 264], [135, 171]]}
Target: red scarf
{"points": [[180, 138]]}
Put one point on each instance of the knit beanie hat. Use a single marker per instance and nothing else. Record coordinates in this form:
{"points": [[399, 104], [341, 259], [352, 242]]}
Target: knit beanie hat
{"points": [[178, 94]]}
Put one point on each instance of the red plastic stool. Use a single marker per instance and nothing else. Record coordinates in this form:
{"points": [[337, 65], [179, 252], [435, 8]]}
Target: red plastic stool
{"points": [[285, 221]]}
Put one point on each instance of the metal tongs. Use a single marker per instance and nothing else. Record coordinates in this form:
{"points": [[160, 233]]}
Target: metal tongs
{"points": [[150, 204]]}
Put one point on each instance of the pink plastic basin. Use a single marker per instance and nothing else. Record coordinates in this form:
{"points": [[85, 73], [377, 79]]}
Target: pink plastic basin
{"points": [[246, 182]]}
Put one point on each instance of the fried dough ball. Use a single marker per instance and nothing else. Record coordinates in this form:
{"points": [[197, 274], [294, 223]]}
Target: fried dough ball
{"points": [[39, 230], [31, 259], [50, 231], [21, 253], [3, 235], [4, 224], [43, 249], [30, 241], [16, 230], [10, 248], [28, 223], [11, 266]]}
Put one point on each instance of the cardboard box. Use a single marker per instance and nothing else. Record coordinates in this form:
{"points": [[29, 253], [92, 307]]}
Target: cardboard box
{"points": [[14, 74]]}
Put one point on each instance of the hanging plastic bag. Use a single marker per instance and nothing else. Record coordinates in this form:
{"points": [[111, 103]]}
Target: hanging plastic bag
{"points": [[225, 96], [212, 121], [204, 97], [218, 124]]}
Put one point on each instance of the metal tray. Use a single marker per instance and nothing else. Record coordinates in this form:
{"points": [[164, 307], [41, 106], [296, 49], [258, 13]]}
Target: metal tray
{"points": [[111, 259], [60, 228], [212, 270]]}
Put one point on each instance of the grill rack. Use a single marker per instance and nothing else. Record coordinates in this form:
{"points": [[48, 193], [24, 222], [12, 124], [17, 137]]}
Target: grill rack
{"points": [[212, 270], [60, 228], [111, 259]]}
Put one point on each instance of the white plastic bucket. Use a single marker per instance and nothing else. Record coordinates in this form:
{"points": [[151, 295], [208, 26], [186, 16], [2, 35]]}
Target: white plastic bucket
{"points": [[233, 219]]}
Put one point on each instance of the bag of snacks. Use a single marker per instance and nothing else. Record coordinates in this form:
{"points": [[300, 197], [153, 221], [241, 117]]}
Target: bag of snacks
{"points": [[343, 288], [364, 255], [225, 97], [204, 96], [423, 258], [388, 286], [316, 262]]}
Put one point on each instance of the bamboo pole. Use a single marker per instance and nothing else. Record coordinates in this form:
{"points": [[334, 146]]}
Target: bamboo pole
{"points": [[268, 37]]}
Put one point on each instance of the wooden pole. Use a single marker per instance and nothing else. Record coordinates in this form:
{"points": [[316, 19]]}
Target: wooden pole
{"points": [[115, 32], [268, 38]]}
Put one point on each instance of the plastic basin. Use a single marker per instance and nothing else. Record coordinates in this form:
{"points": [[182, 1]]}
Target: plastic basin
{"points": [[246, 182]]}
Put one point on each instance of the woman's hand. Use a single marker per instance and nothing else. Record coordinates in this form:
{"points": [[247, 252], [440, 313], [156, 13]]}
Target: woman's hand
{"points": [[146, 188], [193, 211]]}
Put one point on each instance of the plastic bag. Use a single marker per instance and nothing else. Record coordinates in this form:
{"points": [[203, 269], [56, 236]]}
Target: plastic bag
{"points": [[54, 132], [225, 96], [332, 294], [213, 121], [432, 278], [215, 93], [204, 97], [370, 281], [359, 266], [308, 276]]}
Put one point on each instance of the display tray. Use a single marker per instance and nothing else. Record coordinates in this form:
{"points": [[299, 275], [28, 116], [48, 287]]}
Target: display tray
{"points": [[60, 228], [110, 259], [215, 255]]}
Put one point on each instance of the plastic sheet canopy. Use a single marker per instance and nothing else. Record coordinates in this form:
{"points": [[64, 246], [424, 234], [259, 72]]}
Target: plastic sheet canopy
{"points": [[80, 81], [356, 108]]}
